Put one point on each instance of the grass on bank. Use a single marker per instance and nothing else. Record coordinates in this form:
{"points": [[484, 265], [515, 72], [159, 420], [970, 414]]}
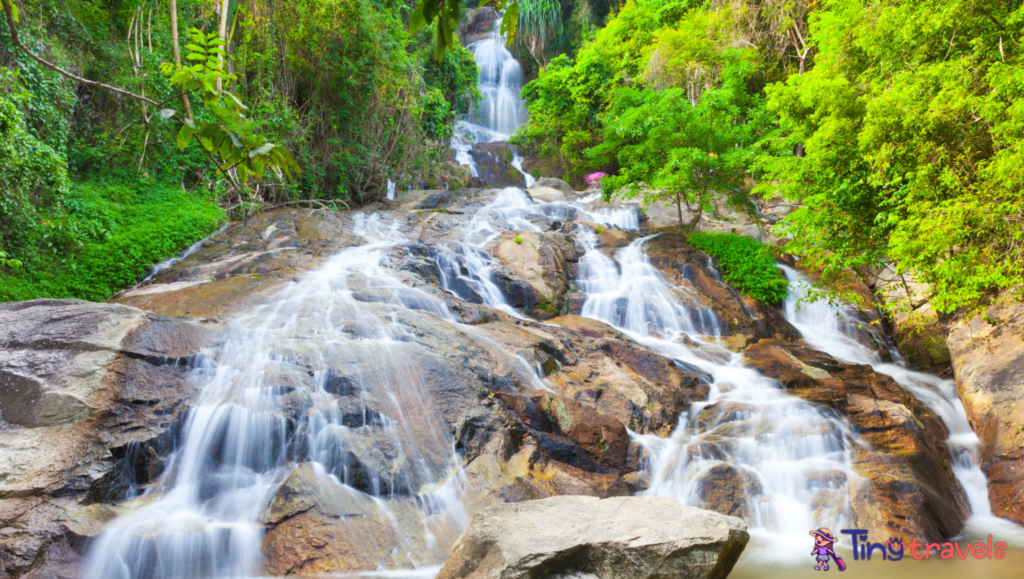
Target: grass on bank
{"points": [[120, 230]]}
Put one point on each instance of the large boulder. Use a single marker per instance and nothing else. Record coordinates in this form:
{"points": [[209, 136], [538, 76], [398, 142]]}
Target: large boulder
{"points": [[557, 184], [541, 260], [988, 359], [621, 538]]}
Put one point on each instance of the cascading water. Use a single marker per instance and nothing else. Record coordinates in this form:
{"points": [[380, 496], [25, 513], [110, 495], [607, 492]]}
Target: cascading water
{"points": [[500, 110], [791, 460], [822, 326], [260, 414], [320, 378]]}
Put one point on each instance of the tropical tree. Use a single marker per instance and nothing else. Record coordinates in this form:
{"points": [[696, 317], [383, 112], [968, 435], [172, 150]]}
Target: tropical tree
{"points": [[665, 148]]}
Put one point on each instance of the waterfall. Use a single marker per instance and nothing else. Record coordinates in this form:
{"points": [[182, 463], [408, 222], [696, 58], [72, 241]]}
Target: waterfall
{"points": [[259, 414], [792, 461], [500, 110], [822, 326], [323, 375]]}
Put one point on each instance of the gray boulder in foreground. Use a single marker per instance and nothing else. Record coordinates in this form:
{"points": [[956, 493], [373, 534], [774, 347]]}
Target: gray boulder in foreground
{"points": [[587, 537]]}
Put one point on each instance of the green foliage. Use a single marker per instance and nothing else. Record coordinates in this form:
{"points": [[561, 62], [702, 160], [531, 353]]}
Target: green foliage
{"points": [[229, 136], [664, 147], [911, 125], [745, 263], [518, 239], [121, 230], [570, 102], [33, 179], [447, 16], [451, 92]]}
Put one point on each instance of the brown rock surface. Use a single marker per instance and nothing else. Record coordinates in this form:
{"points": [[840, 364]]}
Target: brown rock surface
{"points": [[540, 260], [91, 395], [988, 361], [909, 488]]}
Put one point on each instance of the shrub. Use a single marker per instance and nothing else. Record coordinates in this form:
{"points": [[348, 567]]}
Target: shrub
{"points": [[745, 263]]}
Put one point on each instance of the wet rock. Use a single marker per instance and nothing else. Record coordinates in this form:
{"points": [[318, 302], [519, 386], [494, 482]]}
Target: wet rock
{"points": [[557, 184], [92, 396], [988, 361], [623, 537], [785, 363], [910, 489], [479, 25], [494, 166], [571, 432], [687, 267], [726, 489], [543, 194], [540, 260], [917, 333], [244, 265], [316, 525]]}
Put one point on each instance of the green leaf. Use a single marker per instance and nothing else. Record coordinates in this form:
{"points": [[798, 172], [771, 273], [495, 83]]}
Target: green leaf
{"points": [[417, 18], [185, 134], [262, 150], [509, 22]]}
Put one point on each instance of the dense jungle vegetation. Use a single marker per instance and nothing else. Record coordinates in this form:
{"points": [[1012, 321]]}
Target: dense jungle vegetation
{"points": [[896, 127], [320, 99]]}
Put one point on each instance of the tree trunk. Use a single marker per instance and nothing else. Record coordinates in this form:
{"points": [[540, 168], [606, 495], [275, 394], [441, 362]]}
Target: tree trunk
{"points": [[679, 210], [223, 31], [177, 52], [696, 218]]}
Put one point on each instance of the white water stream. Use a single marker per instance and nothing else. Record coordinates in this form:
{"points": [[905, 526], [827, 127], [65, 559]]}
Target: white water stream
{"points": [[259, 414], [822, 327], [791, 459], [500, 110]]}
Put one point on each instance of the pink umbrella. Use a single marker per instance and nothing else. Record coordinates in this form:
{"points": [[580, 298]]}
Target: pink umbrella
{"points": [[594, 178]]}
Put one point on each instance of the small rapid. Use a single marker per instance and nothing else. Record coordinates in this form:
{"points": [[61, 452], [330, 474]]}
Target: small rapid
{"points": [[825, 327], [789, 463]]}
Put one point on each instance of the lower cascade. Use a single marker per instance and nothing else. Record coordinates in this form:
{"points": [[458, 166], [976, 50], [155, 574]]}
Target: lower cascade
{"points": [[352, 387]]}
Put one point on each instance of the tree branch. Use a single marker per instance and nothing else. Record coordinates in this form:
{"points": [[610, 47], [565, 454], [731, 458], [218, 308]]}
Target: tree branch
{"points": [[17, 41]]}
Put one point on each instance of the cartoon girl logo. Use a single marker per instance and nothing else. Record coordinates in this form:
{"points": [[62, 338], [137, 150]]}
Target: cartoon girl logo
{"points": [[823, 541]]}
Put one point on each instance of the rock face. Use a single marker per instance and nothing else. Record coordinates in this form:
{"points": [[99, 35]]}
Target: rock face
{"points": [[909, 488], [989, 364], [917, 333], [92, 396], [622, 538], [541, 260], [494, 166]]}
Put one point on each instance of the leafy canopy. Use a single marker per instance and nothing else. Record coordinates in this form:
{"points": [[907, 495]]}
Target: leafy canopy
{"points": [[912, 131]]}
